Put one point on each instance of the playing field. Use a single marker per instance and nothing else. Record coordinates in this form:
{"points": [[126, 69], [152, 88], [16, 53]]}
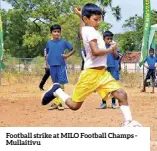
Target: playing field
{"points": [[20, 105]]}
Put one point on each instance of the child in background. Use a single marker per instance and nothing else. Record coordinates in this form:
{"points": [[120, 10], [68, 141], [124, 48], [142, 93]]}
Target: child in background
{"points": [[151, 66], [55, 51], [112, 65]]}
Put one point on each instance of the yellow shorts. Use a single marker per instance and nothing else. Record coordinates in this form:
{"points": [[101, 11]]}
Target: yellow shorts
{"points": [[91, 80]]}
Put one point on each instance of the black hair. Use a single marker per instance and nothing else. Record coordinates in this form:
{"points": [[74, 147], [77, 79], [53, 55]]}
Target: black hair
{"points": [[151, 49], [54, 27], [91, 9], [107, 33]]}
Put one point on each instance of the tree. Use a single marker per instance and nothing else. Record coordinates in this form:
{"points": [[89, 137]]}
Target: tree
{"points": [[116, 11], [27, 24], [127, 42], [133, 38]]}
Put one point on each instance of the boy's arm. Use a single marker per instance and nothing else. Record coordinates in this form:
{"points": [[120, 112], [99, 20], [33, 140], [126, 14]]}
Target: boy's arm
{"points": [[78, 12], [67, 55], [144, 64], [46, 56], [101, 52], [116, 55], [82, 24]]}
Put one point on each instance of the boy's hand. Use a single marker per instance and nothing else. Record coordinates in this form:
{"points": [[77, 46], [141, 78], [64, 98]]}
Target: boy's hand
{"points": [[114, 46], [146, 65], [47, 68], [77, 11], [65, 56]]}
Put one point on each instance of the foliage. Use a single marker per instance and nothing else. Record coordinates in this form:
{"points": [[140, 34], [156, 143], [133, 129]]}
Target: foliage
{"points": [[26, 26], [131, 40], [127, 42]]}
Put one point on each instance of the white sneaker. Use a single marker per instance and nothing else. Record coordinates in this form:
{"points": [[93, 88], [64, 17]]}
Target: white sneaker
{"points": [[131, 124]]}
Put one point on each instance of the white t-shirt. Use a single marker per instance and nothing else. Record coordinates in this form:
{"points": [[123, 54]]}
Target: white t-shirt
{"points": [[89, 34]]}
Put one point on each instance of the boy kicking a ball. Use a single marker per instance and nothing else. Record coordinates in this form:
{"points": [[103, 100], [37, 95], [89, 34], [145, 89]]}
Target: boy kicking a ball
{"points": [[94, 76]]}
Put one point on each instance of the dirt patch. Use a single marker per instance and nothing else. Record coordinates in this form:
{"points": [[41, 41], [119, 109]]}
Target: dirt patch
{"points": [[20, 105]]}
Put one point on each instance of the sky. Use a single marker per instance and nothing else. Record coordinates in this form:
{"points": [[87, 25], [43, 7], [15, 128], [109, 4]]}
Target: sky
{"points": [[128, 8]]}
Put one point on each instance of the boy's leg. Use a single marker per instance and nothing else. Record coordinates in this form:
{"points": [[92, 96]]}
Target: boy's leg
{"points": [[58, 103], [117, 78], [55, 79], [47, 74], [103, 105], [44, 79], [88, 82], [53, 73], [153, 85], [60, 95], [144, 85], [115, 75], [153, 80], [110, 87], [84, 87], [56, 91], [114, 106], [62, 79], [145, 81], [49, 95], [121, 96], [82, 65], [113, 101], [73, 105]]}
